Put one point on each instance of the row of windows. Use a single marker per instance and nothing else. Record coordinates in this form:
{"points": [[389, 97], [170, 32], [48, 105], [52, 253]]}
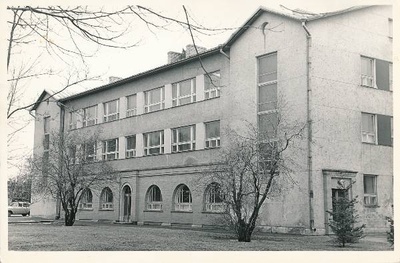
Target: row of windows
{"points": [[183, 92], [213, 199], [182, 139]]}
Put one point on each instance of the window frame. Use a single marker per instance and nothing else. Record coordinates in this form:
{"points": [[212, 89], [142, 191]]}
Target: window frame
{"points": [[90, 157], [176, 145], [212, 192], [371, 196], [371, 78], [106, 153], [72, 125], [209, 91], [210, 140], [176, 101], [390, 76], [147, 99], [375, 124], [105, 203], [130, 153], [147, 148], [151, 204], [131, 111], [85, 121], [107, 117], [84, 203], [179, 204]]}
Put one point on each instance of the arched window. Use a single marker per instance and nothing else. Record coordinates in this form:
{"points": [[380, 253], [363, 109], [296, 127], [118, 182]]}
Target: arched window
{"points": [[214, 200], [106, 199], [154, 198], [86, 199], [183, 198]]}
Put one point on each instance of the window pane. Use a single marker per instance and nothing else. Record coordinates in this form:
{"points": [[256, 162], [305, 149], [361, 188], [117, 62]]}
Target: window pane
{"points": [[111, 146], [131, 142], [215, 78], [267, 68], [367, 66], [174, 90], [212, 129], [184, 134], [46, 121], [131, 102], [185, 87], [154, 139], [369, 184], [368, 124], [155, 96], [268, 124], [267, 97]]}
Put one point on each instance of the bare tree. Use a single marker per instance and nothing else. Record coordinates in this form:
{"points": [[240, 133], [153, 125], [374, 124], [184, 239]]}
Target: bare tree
{"points": [[253, 167], [67, 169]]}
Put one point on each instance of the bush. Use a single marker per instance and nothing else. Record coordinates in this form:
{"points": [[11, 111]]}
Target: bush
{"points": [[390, 233], [344, 220]]}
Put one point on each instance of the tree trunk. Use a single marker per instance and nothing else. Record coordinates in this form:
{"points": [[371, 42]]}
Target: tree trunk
{"points": [[244, 232], [69, 217]]}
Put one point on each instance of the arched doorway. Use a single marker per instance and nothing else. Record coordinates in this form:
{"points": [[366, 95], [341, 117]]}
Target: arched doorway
{"points": [[126, 197]]}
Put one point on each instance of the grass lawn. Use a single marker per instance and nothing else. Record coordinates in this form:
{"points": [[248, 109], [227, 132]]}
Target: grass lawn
{"points": [[108, 237]]}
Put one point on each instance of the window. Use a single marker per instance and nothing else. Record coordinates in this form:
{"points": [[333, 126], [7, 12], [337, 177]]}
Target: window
{"points": [[214, 199], [153, 198], [212, 83], [154, 100], [106, 199], [183, 198], [131, 105], [110, 149], [72, 158], [367, 72], [154, 143], [370, 196], [111, 111], [46, 142], [73, 120], [376, 73], [267, 69], [377, 129], [368, 128], [130, 146], [90, 150], [86, 199], [267, 95], [184, 92], [212, 134], [46, 124], [90, 116], [183, 139]]}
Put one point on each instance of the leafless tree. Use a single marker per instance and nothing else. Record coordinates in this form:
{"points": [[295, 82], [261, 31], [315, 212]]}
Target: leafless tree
{"points": [[255, 165], [67, 169]]}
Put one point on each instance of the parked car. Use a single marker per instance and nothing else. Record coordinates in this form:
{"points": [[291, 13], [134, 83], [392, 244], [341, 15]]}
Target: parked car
{"points": [[19, 208]]}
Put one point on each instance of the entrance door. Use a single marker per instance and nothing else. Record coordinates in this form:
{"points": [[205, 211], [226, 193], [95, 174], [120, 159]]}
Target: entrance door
{"points": [[126, 191]]}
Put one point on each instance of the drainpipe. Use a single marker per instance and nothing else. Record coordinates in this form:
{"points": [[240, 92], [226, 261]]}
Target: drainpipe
{"points": [[223, 53], [309, 129], [62, 116]]}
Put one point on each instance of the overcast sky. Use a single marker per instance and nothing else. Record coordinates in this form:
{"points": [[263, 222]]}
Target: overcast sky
{"points": [[152, 48]]}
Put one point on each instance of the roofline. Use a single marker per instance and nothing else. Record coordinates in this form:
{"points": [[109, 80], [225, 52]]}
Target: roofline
{"points": [[262, 9], [39, 100], [209, 52], [144, 74]]}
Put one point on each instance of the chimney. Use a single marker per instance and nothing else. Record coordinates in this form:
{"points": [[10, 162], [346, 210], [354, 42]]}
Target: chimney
{"points": [[174, 56], [112, 79], [191, 50]]}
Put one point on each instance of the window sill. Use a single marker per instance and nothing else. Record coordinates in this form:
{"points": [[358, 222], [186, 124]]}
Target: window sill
{"points": [[107, 209], [85, 209], [375, 144], [157, 211], [184, 212]]}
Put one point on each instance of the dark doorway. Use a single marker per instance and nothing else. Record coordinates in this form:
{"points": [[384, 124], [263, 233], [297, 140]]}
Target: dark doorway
{"points": [[127, 193]]}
